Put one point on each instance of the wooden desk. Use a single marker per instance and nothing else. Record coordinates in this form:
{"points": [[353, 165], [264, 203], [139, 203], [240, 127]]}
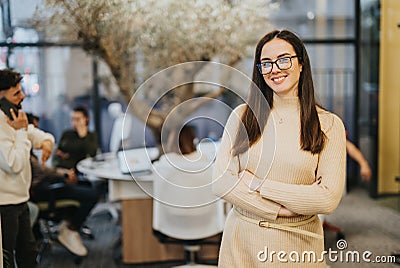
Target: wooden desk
{"points": [[139, 245]]}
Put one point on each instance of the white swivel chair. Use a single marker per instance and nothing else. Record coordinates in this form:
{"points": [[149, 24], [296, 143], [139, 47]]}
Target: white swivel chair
{"points": [[185, 211]]}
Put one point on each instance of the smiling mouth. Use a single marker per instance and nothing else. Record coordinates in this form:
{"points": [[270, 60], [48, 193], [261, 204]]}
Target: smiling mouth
{"points": [[278, 79]]}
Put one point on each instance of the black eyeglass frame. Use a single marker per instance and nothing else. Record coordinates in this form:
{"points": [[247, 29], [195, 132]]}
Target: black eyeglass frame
{"points": [[259, 65]]}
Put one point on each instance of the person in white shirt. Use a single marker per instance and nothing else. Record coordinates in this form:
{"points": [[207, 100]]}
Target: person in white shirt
{"points": [[17, 138]]}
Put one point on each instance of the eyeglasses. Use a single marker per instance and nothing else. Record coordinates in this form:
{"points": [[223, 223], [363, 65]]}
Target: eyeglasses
{"points": [[282, 64]]}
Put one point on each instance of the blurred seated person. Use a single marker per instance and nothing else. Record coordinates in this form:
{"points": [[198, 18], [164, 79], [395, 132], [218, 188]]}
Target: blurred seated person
{"points": [[42, 178], [186, 148], [76, 144]]}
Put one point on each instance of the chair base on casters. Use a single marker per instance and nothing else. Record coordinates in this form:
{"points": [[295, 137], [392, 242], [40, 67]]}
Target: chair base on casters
{"points": [[108, 207], [191, 247], [191, 251]]}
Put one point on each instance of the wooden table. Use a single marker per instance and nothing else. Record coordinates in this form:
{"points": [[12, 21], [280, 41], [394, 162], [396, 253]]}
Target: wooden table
{"points": [[139, 245]]}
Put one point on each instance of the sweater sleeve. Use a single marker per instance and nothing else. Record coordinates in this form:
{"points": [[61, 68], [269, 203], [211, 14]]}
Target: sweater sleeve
{"points": [[320, 198], [37, 136], [56, 159], [14, 152], [62, 141], [227, 183], [92, 144]]}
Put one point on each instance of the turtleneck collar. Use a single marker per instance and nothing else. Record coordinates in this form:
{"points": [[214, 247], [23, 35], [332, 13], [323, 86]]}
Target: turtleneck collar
{"points": [[283, 102]]}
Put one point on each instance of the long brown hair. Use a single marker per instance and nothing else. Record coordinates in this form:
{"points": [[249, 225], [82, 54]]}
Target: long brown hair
{"points": [[186, 140], [256, 114]]}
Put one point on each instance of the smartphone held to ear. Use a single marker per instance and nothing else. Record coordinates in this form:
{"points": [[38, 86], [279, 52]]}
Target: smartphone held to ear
{"points": [[6, 106]]}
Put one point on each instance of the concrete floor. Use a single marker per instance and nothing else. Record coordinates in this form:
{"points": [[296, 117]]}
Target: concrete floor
{"points": [[368, 224]]}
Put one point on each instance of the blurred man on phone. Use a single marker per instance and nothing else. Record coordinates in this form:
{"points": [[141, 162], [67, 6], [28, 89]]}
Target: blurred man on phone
{"points": [[17, 138]]}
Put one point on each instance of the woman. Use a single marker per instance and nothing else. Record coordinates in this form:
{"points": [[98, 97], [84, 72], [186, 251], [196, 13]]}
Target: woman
{"points": [[75, 145], [78, 143], [279, 167]]}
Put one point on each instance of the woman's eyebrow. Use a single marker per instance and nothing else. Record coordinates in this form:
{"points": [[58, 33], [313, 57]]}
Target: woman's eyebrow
{"points": [[281, 55]]}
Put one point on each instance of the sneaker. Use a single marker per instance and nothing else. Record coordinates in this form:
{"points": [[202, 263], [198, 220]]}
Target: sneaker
{"points": [[71, 240]]}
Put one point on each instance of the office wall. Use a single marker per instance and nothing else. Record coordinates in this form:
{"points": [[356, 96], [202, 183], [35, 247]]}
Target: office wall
{"points": [[389, 98]]}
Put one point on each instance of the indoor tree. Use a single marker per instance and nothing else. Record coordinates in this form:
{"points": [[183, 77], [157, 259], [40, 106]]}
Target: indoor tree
{"points": [[158, 34]]}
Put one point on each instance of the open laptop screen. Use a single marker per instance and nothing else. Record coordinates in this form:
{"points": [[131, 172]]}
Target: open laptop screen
{"points": [[134, 161]]}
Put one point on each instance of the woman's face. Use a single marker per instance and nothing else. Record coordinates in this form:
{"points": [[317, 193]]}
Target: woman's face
{"points": [[282, 82]]}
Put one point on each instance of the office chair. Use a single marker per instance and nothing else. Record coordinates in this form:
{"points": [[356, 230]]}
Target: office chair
{"points": [[50, 214], [188, 214]]}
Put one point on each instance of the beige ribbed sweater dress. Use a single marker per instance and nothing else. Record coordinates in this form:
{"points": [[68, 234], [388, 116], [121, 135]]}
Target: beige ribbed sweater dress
{"points": [[287, 182]]}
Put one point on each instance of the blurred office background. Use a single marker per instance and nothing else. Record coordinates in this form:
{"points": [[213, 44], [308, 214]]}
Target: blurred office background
{"points": [[353, 47], [342, 38]]}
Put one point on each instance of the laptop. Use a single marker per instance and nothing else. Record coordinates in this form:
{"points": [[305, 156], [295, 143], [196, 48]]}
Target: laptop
{"points": [[134, 161]]}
